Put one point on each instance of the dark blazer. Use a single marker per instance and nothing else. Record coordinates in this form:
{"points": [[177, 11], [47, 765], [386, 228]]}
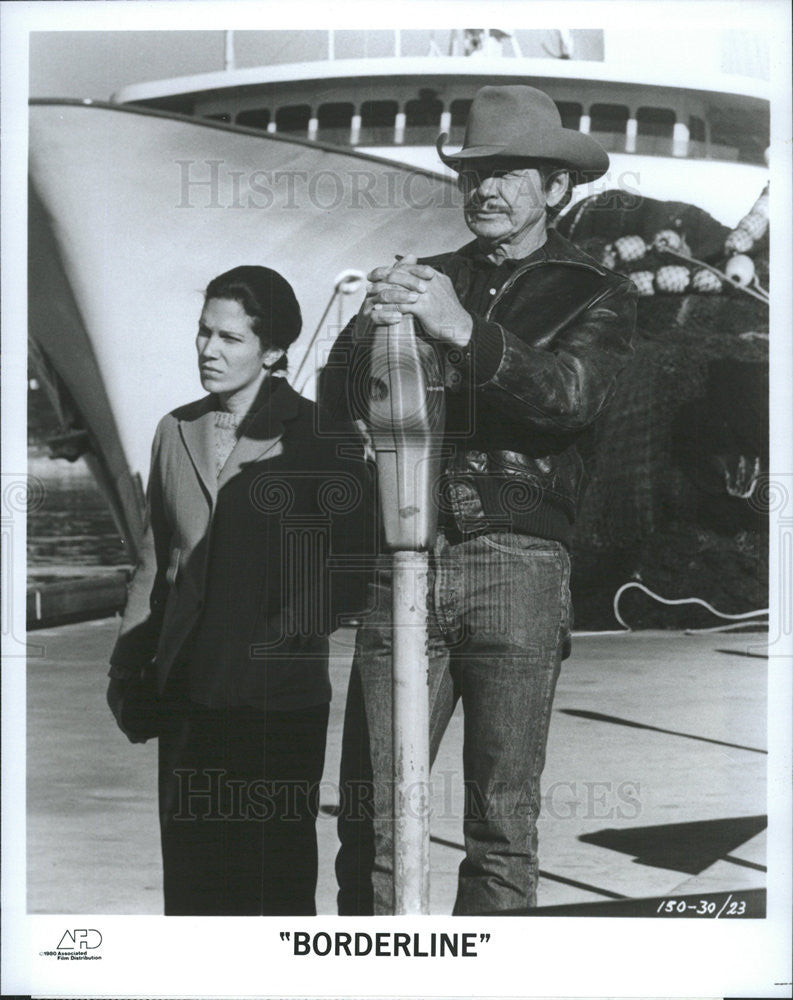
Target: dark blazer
{"points": [[246, 573]]}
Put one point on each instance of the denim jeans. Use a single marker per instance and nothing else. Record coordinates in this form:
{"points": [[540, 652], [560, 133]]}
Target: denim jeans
{"points": [[498, 620]]}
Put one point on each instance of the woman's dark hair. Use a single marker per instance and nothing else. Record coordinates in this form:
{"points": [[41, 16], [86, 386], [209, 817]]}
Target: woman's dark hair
{"points": [[269, 300]]}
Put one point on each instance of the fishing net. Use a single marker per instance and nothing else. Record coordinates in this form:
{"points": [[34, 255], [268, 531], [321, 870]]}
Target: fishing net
{"points": [[677, 463]]}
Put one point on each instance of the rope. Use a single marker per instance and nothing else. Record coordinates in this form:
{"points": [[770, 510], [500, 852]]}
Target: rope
{"points": [[756, 291], [738, 619], [724, 628]]}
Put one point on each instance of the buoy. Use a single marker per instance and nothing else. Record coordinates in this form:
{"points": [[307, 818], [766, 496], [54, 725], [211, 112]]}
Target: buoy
{"points": [[740, 270], [672, 278], [630, 248], [667, 239], [643, 281], [608, 256], [751, 228], [706, 281], [738, 241]]}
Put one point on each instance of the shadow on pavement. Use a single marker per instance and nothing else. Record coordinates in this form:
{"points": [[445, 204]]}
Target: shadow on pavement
{"points": [[685, 847], [581, 713]]}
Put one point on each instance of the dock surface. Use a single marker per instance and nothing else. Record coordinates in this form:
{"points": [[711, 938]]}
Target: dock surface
{"points": [[655, 782]]}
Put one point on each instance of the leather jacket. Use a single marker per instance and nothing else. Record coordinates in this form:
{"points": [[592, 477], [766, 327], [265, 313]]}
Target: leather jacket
{"points": [[550, 334]]}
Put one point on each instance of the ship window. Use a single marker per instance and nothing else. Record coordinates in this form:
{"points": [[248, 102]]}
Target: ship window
{"points": [[334, 121], [697, 141], [293, 119], [423, 119], [607, 124], [654, 131], [377, 123], [221, 116], [255, 118], [738, 134], [570, 113], [696, 129], [459, 115]]}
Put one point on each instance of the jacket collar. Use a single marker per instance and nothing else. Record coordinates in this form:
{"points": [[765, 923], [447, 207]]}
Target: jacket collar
{"points": [[259, 436]]}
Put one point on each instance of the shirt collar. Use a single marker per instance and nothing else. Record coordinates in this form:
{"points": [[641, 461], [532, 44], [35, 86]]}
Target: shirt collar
{"points": [[480, 261]]}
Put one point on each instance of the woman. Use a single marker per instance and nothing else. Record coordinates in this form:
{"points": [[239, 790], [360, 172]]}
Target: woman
{"points": [[230, 609]]}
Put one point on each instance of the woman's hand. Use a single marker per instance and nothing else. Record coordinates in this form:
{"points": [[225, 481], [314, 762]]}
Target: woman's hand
{"points": [[407, 287], [117, 691]]}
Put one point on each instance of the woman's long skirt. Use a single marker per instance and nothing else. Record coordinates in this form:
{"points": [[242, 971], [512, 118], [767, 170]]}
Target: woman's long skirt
{"points": [[239, 794]]}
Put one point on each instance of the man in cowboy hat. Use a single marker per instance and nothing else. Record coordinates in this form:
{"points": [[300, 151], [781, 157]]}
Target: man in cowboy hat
{"points": [[534, 334]]}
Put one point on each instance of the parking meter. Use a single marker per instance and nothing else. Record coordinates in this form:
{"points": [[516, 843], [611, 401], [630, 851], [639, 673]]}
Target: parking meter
{"points": [[405, 418]]}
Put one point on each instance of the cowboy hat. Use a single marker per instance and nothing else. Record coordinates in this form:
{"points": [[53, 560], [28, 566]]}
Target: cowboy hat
{"points": [[523, 123]]}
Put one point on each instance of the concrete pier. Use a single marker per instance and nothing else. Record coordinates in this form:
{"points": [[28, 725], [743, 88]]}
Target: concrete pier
{"points": [[655, 782]]}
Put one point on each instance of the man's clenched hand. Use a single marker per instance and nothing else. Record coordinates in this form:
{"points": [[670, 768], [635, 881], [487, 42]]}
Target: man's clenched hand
{"points": [[418, 289]]}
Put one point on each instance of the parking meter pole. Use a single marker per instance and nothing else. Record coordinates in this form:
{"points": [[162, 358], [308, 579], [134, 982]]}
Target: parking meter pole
{"points": [[411, 734], [405, 417]]}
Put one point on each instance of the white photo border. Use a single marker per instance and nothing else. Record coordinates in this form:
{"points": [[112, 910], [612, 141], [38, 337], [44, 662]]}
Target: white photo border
{"points": [[155, 956]]}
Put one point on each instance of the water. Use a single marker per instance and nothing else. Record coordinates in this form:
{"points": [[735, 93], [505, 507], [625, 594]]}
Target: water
{"points": [[72, 527]]}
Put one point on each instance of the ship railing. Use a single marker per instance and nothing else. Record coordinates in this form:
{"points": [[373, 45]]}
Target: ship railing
{"points": [[347, 283]]}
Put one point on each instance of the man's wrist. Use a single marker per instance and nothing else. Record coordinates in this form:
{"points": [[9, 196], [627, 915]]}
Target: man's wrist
{"points": [[463, 332], [485, 351]]}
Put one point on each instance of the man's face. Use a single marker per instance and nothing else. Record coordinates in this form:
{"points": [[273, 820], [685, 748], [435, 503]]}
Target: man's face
{"points": [[502, 204]]}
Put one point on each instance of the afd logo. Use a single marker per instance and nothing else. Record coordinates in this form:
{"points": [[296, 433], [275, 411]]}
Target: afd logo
{"points": [[84, 939]]}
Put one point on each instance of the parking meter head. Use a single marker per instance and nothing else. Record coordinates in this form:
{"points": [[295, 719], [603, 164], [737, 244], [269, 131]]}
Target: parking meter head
{"points": [[404, 402]]}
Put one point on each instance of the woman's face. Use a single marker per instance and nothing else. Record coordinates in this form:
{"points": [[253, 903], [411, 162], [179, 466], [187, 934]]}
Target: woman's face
{"points": [[231, 357]]}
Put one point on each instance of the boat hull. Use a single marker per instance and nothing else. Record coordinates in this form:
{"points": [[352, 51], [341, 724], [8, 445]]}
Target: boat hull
{"points": [[133, 212]]}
